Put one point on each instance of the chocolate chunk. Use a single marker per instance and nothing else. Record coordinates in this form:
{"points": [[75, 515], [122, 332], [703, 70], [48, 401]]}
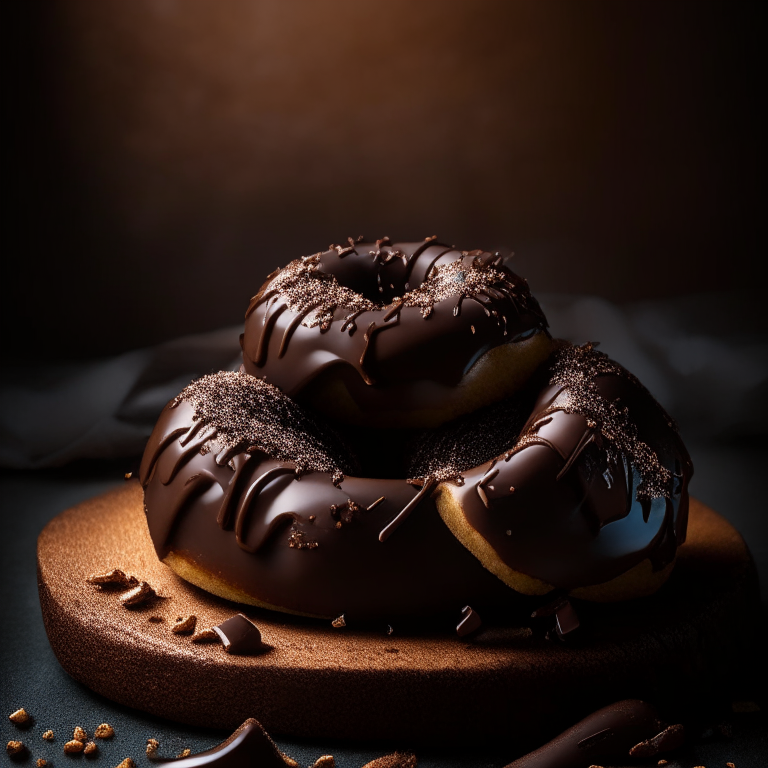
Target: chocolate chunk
{"points": [[606, 736], [240, 636], [566, 620], [248, 746], [470, 622], [669, 739], [137, 595], [114, 577]]}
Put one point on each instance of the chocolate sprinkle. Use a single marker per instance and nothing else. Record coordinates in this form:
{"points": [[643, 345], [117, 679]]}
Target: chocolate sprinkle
{"points": [[495, 431], [244, 413], [575, 369]]}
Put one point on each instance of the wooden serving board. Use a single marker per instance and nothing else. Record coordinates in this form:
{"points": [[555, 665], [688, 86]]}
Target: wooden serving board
{"points": [[675, 648]]}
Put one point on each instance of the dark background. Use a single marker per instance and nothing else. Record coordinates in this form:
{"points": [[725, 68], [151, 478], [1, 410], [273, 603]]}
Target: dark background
{"points": [[160, 157]]}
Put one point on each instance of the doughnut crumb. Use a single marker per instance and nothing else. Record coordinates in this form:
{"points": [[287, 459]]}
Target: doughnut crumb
{"points": [[80, 734], [74, 747], [15, 747], [19, 717], [90, 748], [104, 731], [48, 735], [185, 625]]}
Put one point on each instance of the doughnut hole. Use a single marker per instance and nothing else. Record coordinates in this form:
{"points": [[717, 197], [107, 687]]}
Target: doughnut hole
{"points": [[340, 394]]}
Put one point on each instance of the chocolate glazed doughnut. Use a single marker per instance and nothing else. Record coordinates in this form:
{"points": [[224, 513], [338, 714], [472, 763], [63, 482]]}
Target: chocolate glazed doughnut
{"points": [[395, 335], [578, 483], [246, 497]]}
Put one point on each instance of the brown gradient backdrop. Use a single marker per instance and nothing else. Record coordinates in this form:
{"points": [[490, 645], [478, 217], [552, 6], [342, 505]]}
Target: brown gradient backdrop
{"points": [[163, 155]]}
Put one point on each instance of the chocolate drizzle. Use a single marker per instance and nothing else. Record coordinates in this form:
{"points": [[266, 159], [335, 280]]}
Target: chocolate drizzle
{"points": [[576, 370], [317, 305], [576, 479], [244, 414]]}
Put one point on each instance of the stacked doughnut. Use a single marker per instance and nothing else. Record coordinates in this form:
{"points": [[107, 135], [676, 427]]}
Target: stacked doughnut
{"points": [[404, 438]]}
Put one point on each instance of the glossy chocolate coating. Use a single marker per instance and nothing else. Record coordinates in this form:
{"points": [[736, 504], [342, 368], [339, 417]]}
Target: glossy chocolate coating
{"points": [[386, 350], [590, 501], [299, 544], [248, 747], [564, 506], [239, 635]]}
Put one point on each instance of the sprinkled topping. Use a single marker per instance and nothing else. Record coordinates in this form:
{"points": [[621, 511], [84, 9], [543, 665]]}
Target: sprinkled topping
{"points": [[312, 294], [469, 441], [245, 414], [477, 280], [299, 540], [575, 369], [495, 432]]}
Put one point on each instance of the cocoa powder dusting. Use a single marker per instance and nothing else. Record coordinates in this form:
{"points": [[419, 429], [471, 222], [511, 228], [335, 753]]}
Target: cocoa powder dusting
{"points": [[246, 414], [576, 369], [314, 294]]}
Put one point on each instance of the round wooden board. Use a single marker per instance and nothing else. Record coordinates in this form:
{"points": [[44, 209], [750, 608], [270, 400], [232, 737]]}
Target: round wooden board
{"points": [[317, 681]]}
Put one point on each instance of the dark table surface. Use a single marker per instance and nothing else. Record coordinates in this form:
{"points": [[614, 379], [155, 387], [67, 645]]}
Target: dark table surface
{"points": [[729, 478]]}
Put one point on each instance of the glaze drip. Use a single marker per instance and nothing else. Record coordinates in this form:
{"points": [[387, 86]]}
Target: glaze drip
{"points": [[248, 415], [576, 370]]}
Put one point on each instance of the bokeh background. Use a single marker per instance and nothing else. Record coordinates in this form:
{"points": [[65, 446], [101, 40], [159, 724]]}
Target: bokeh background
{"points": [[162, 156]]}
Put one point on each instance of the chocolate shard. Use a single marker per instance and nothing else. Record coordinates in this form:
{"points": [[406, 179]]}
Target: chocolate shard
{"points": [[240, 636], [138, 595], [470, 622], [566, 620], [115, 576], [249, 746], [669, 739], [606, 736]]}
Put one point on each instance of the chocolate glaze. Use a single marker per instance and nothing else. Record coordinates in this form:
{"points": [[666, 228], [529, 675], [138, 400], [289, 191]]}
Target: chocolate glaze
{"points": [[587, 491], [247, 520], [606, 735], [371, 310], [598, 470]]}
